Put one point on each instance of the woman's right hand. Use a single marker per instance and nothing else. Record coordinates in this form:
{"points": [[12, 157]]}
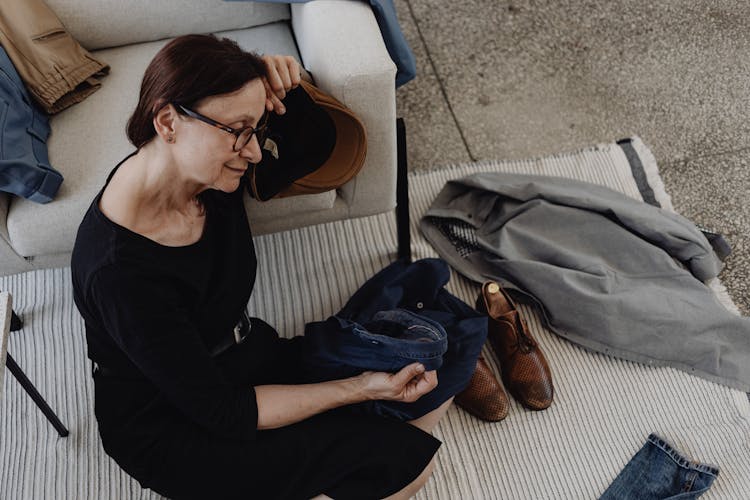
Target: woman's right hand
{"points": [[408, 384], [284, 74]]}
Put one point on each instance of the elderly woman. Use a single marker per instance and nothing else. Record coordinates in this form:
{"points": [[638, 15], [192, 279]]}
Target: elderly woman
{"points": [[163, 268]]}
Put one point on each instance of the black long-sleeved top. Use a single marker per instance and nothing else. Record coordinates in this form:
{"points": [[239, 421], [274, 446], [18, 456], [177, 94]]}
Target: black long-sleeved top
{"points": [[184, 423], [153, 312]]}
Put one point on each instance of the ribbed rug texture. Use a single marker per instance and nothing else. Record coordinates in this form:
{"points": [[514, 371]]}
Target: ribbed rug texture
{"points": [[602, 413]]}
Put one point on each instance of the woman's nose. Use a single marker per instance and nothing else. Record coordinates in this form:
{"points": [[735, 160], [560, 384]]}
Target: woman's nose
{"points": [[251, 151]]}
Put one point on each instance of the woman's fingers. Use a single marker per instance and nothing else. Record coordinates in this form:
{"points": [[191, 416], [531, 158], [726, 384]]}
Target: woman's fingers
{"points": [[283, 71], [273, 77], [295, 71], [273, 103], [407, 374], [284, 74], [420, 385], [412, 382]]}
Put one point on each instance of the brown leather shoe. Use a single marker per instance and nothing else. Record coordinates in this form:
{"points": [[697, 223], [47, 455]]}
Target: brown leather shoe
{"points": [[484, 397], [524, 370]]}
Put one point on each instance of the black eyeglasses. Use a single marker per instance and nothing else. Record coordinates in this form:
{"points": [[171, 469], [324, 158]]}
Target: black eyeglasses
{"points": [[243, 135]]}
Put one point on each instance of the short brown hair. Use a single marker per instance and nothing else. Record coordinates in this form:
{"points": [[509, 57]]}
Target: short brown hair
{"points": [[186, 70]]}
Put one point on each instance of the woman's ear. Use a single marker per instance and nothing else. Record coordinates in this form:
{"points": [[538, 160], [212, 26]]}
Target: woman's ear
{"points": [[165, 122]]}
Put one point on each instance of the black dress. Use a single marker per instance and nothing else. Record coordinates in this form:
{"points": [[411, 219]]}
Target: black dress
{"points": [[184, 423]]}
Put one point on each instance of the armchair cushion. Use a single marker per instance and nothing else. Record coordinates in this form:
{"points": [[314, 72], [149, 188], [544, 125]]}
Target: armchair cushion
{"points": [[89, 139]]}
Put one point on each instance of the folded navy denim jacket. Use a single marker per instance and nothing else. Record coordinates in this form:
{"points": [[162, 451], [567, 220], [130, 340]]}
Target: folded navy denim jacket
{"points": [[401, 315], [389, 341]]}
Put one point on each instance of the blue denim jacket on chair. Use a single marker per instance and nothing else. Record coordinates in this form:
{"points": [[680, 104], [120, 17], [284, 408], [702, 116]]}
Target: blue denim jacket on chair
{"points": [[24, 128], [386, 310]]}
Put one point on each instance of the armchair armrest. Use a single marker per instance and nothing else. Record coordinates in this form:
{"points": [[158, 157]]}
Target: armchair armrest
{"points": [[340, 43]]}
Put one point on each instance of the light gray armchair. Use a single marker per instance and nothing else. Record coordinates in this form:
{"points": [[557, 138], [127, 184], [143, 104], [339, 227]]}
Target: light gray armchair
{"points": [[338, 41]]}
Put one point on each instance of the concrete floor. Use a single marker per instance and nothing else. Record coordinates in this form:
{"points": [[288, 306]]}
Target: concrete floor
{"points": [[512, 79]]}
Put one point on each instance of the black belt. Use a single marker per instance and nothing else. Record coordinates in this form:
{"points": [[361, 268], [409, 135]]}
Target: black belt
{"points": [[238, 335], [103, 371]]}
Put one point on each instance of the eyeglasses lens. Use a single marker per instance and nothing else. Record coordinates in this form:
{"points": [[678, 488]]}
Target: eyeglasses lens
{"points": [[247, 135], [243, 139]]}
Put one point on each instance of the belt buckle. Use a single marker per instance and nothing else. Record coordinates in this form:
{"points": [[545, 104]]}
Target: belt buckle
{"points": [[238, 338], [240, 328]]}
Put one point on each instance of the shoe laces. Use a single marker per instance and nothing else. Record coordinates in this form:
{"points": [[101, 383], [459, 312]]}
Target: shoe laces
{"points": [[525, 343]]}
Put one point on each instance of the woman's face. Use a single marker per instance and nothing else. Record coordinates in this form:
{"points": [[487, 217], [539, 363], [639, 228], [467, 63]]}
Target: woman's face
{"points": [[205, 153]]}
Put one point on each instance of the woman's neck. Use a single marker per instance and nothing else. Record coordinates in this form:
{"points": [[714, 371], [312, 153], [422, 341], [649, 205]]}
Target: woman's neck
{"points": [[162, 186], [148, 195]]}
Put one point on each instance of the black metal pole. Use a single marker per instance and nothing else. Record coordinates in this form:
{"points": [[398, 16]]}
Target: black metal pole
{"points": [[402, 193], [38, 399]]}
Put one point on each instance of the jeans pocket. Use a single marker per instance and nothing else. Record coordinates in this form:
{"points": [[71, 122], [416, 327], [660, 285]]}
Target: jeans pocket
{"points": [[696, 483]]}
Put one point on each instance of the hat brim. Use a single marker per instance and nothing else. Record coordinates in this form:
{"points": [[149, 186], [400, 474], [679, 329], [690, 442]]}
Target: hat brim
{"points": [[349, 152]]}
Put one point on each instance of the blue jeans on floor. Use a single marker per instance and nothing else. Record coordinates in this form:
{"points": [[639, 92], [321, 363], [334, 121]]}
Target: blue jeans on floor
{"points": [[658, 471]]}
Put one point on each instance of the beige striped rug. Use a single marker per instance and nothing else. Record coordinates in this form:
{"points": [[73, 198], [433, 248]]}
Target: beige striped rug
{"points": [[603, 411]]}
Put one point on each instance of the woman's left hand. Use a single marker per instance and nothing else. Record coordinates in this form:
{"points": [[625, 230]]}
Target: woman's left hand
{"points": [[408, 384], [284, 74]]}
